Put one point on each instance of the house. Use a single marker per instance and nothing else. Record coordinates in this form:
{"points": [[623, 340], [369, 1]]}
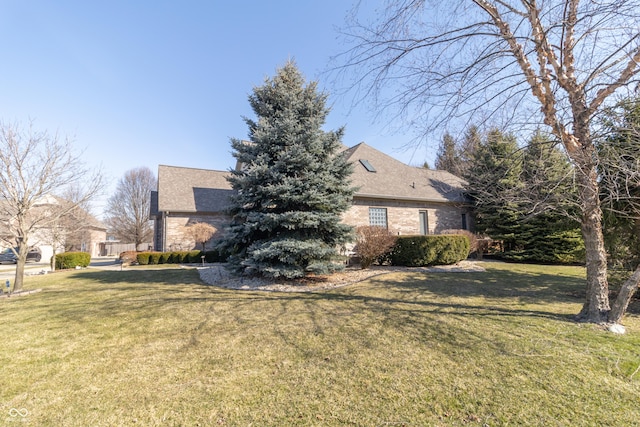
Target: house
{"points": [[76, 230], [186, 196], [405, 199], [90, 237]]}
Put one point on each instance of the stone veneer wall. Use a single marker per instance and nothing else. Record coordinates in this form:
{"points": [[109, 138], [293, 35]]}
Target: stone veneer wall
{"points": [[403, 216], [176, 239]]}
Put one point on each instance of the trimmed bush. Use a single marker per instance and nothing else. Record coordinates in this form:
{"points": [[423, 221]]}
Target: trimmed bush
{"points": [[143, 258], [420, 251], [195, 256], [473, 238], [68, 260], [154, 258], [215, 256], [176, 257]]}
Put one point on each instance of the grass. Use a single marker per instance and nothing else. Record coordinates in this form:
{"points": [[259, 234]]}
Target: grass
{"points": [[157, 347]]}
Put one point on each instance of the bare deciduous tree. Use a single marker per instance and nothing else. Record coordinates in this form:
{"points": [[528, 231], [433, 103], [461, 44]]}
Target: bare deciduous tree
{"points": [[477, 58], [34, 166], [128, 209], [200, 232]]}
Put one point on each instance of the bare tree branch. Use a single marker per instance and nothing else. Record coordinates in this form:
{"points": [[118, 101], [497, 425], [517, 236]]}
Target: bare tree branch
{"points": [[128, 209], [34, 168], [439, 63]]}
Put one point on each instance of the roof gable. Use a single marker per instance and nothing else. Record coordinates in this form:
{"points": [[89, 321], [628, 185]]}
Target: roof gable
{"points": [[192, 190], [377, 175]]}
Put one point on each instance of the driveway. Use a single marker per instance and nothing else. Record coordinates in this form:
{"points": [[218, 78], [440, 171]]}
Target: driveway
{"points": [[8, 271]]}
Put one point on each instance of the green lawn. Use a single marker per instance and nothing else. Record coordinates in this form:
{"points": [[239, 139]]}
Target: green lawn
{"points": [[157, 347]]}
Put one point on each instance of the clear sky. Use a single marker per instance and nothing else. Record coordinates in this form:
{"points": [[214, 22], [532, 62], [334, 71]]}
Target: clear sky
{"points": [[142, 83]]}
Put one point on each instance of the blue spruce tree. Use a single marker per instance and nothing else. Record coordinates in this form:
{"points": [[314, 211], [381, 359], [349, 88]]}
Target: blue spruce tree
{"points": [[293, 185]]}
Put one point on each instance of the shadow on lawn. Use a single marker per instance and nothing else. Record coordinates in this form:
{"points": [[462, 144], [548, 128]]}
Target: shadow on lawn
{"points": [[168, 276], [525, 287], [407, 295], [454, 307]]}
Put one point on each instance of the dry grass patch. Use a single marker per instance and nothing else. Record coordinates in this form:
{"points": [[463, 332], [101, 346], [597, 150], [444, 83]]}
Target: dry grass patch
{"points": [[157, 347]]}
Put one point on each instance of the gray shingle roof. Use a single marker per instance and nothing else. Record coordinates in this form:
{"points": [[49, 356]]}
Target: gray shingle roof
{"points": [[192, 190], [207, 191], [393, 179]]}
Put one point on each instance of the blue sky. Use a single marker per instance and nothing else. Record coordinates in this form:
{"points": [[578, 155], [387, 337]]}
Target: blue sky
{"points": [[143, 83]]}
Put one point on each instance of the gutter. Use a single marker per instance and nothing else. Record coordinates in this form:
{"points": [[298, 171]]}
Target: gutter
{"points": [[410, 199]]}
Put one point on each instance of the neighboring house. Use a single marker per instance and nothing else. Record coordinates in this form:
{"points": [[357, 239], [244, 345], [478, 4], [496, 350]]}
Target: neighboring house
{"points": [[77, 231], [88, 238], [405, 199]]}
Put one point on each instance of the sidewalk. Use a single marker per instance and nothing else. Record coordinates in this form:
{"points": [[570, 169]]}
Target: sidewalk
{"points": [[8, 271]]}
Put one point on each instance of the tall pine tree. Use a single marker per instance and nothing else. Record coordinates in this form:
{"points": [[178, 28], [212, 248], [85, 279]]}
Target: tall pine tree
{"points": [[470, 142], [526, 198], [447, 158], [549, 231], [493, 182], [293, 185], [619, 166]]}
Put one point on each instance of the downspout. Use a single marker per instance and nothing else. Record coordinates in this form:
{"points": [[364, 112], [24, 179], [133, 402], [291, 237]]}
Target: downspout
{"points": [[164, 230]]}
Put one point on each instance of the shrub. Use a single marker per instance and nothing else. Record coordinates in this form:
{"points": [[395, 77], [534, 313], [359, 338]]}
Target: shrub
{"points": [[143, 258], [128, 257], [419, 251], [473, 238], [215, 255], [371, 243], [178, 257], [195, 256], [154, 258], [67, 260]]}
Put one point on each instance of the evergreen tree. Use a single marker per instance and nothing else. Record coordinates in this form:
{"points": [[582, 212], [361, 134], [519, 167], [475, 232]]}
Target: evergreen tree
{"points": [[471, 140], [619, 160], [494, 184], [548, 231], [447, 158], [293, 185], [526, 198]]}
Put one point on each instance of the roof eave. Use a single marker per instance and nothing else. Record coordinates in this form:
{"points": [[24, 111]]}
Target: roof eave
{"points": [[412, 199]]}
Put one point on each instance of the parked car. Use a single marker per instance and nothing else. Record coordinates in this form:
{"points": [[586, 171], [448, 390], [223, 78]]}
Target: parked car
{"points": [[8, 256]]}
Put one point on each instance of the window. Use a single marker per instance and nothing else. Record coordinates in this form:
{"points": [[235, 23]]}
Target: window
{"points": [[378, 217], [424, 222], [368, 166], [464, 221]]}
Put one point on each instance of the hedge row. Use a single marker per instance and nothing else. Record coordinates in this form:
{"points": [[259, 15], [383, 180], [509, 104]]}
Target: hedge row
{"points": [[67, 260], [420, 251], [178, 257]]}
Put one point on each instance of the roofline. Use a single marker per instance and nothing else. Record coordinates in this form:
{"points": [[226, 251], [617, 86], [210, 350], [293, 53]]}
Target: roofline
{"points": [[173, 211], [198, 169], [412, 199]]}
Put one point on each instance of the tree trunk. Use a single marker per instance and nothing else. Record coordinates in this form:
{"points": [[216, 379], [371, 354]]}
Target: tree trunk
{"points": [[596, 307], [624, 297], [52, 262], [22, 259]]}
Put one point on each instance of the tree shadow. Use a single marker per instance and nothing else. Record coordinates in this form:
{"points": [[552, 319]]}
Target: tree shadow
{"points": [[531, 288], [421, 305]]}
